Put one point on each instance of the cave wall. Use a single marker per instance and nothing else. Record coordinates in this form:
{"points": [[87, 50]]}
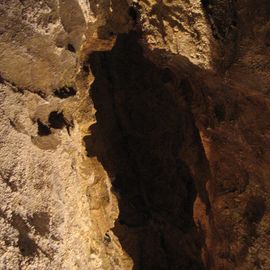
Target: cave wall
{"points": [[144, 127], [134, 134]]}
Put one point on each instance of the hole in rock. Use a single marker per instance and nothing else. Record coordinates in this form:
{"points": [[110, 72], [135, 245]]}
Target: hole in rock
{"points": [[143, 125], [57, 120], [71, 48], [43, 130], [65, 92]]}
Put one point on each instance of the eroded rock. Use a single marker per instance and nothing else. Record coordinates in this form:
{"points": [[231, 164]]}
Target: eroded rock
{"points": [[134, 134]]}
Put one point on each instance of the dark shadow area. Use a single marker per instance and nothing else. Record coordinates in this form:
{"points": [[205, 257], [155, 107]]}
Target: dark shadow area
{"points": [[143, 125], [57, 120], [6, 178], [41, 222], [65, 92], [43, 130], [71, 48], [27, 246], [223, 18]]}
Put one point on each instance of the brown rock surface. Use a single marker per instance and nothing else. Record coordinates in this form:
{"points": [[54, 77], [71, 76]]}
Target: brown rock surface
{"points": [[134, 134]]}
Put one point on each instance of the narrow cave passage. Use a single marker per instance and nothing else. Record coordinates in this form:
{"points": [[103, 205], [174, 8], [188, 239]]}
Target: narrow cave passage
{"points": [[143, 122]]}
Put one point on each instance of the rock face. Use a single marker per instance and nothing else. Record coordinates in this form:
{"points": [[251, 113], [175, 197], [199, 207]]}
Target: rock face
{"points": [[134, 134]]}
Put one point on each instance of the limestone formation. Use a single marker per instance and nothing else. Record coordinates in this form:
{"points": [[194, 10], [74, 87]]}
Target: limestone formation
{"points": [[134, 134]]}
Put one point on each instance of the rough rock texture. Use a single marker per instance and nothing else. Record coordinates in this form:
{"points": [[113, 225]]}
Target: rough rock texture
{"points": [[134, 134]]}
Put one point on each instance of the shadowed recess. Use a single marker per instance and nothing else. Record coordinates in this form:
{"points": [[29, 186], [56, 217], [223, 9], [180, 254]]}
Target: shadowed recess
{"points": [[143, 124]]}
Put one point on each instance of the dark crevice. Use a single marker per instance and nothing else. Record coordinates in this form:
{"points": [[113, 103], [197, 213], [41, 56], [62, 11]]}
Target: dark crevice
{"points": [[143, 125]]}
